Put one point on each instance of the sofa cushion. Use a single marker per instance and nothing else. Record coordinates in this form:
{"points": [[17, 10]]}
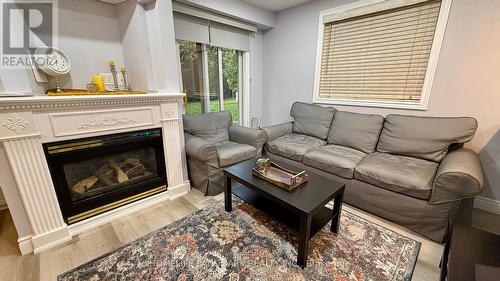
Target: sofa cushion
{"points": [[405, 175], [312, 120], [211, 126], [230, 153], [356, 130], [424, 137], [334, 159], [294, 146]]}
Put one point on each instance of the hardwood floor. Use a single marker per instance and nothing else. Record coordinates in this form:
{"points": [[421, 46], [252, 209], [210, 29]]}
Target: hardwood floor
{"points": [[92, 244]]}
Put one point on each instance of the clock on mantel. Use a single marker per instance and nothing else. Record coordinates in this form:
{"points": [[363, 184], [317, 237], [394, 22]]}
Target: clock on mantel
{"points": [[53, 62]]}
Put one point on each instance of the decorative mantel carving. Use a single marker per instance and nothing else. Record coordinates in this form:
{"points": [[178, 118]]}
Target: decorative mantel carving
{"points": [[169, 111], [108, 120], [16, 124]]}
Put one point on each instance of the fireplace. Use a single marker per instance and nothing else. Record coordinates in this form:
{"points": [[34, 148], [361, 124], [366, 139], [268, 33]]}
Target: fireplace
{"points": [[95, 175]]}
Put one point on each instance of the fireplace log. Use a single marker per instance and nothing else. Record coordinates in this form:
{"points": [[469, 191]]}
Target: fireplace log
{"points": [[85, 184], [120, 174], [106, 174], [136, 171], [130, 163]]}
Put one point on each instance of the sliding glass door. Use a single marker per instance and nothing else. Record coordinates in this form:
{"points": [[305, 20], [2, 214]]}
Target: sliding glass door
{"points": [[211, 78]]}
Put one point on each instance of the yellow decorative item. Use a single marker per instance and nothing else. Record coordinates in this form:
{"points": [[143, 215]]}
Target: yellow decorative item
{"points": [[78, 92], [111, 63], [97, 79]]}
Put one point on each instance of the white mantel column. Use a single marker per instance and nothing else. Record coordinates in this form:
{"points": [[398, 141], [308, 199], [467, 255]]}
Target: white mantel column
{"points": [[173, 144], [21, 141]]}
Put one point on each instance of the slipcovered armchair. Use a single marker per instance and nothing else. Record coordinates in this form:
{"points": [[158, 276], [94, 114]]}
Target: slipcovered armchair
{"points": [[214, 142]]}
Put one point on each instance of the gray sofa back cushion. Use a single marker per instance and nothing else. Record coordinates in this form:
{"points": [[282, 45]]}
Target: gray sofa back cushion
{"points": [[356, 130], [312, 120], [211, 126], [424, 137]]}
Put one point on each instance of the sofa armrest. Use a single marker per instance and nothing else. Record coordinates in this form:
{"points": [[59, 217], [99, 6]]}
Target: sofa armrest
{"points": [[459, 176], [253, 137], [199, 148], [275, 131]]}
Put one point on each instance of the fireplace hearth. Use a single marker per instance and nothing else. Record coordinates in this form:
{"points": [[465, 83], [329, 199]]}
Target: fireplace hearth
{"points": [[95, 175]]}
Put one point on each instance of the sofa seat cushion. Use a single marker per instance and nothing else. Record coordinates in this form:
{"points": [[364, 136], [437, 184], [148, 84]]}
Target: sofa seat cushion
{"points": [[405, 175], [334, 159], [294, 146], [230, 153]]}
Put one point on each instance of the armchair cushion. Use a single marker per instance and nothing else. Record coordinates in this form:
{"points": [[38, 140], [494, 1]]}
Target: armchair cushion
{"points": [[459, 176], [356, 130], [275, 131], [312, 120], [335, 159], [199, 148], [293, 146], [244, 135], [230, 153], [427, 138], [213, 126], [401, 174]]}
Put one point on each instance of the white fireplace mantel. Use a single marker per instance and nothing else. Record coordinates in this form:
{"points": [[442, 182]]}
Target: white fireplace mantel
{"points": [[26, 123]]}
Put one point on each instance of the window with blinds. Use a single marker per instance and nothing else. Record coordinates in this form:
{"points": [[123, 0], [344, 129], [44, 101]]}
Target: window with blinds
{"points": [[381, 56]]}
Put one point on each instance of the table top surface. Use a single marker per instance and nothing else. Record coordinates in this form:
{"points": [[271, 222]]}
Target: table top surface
{"points": [[315, 193]]}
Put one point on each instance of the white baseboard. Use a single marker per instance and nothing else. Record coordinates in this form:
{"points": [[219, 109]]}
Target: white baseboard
{"points": [[3, 205], [25, 245], [487, 205], [50, 239]]}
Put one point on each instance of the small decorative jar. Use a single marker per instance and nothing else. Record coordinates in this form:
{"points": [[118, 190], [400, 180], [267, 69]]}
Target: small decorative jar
{"points": [[262, 165]]}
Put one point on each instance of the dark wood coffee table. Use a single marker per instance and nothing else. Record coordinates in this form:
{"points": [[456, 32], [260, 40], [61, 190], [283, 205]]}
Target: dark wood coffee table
{"points": [[302, 210]]}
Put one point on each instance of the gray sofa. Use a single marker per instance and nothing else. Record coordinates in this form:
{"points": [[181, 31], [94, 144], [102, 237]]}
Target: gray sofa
{"points": [[214, 142], [410, 170]]}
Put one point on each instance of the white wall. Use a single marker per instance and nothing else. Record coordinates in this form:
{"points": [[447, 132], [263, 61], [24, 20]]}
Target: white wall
{"points": [[88, 33], [93, 32], [467, 80], [256, 75]]}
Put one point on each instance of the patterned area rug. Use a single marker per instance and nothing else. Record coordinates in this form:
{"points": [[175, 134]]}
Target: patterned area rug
{"points": [[246, 244]]}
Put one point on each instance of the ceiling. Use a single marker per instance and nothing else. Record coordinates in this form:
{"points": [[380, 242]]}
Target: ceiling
{"points": [[276, 5]]}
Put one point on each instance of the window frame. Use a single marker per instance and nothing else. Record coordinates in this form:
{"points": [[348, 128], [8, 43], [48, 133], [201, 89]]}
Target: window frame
{"points": [[431, 65]]}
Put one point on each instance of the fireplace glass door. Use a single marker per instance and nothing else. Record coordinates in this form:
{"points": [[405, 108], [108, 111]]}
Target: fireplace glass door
{"points": [[95, 175]]}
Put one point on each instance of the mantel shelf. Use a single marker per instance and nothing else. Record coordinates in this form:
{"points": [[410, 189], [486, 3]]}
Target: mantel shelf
{"points": [[49, 102]]}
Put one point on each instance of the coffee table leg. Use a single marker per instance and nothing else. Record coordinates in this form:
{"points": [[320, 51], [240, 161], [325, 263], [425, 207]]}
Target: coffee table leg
{"points": [[304, 236], [228, 203], [337, 210]]}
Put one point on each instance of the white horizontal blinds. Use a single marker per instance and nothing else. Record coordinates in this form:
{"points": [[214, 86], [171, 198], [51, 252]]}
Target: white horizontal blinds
{"points": [[191, 28], [378, 57], [226, 36]]}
